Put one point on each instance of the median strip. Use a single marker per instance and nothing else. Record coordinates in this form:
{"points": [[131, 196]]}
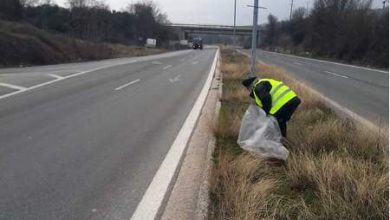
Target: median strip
{"points": [[337, 168]]}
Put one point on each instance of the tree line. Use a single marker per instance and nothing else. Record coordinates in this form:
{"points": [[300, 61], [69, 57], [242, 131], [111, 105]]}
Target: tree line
{"points": [[348, 30], [92, 20]]}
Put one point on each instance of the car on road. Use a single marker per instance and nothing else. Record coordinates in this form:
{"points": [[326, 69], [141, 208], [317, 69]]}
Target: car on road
{"points": [[197, 43]]}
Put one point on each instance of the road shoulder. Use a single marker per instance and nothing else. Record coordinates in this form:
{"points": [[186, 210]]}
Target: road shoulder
{"points": [[189, 196]]}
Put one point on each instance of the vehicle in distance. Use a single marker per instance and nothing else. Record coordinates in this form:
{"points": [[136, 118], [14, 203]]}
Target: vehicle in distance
{"points": [[197, 43]]}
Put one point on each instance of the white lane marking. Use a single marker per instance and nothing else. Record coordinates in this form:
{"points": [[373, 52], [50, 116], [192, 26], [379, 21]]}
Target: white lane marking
{"points": [[195, 62], [299, 64], [323, 61], [55, 76], [20, 88], [127, 84], [66, 77], [167, 67], [156, 63], [37, 72], [335, 74], [176, 79], [152, 199]]}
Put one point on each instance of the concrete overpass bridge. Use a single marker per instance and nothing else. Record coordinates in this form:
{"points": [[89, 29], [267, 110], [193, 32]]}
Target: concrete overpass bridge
{"points": [[197, 29], [213, 33]]}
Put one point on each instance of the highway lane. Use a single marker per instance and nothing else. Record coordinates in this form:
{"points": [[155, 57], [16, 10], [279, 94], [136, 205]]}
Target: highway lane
{"points": [[31, 76], [362, 90], [87, 147]]}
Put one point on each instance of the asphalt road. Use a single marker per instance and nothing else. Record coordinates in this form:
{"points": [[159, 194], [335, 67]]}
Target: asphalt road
{"points": [[362, 90], [87, 143]]}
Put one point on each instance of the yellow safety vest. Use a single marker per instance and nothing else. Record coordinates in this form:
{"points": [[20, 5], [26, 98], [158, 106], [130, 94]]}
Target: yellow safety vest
{"points": [[280, 94]]}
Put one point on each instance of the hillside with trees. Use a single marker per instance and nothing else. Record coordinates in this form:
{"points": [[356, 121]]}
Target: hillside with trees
{"points": [[348, 30], [40, 32]]}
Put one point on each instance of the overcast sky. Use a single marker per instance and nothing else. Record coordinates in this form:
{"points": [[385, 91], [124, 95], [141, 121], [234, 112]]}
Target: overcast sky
{"points": [[219, 11]]}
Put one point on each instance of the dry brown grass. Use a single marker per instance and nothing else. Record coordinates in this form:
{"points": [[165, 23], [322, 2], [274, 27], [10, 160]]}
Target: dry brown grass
{"points": [[119, 50], [336, 169], [234, 69]]}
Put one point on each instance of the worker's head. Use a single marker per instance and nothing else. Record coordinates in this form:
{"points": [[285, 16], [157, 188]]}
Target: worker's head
{"points": [[248, 83]]}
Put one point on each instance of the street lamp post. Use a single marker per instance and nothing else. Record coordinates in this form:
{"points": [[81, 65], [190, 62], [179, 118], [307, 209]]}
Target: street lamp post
{"points": [[234, 27], [254, 37], [291, 8]]}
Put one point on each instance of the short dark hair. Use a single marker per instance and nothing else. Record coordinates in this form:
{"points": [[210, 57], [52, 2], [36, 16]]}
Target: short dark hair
{"points": [[248, 82]]}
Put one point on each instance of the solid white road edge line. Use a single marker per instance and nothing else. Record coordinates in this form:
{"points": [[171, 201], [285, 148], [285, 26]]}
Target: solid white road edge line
{"points": [[20, 88], [127, 84], [323, 61], [167, 67], [66, 77], [151, 201], [335, 74]]}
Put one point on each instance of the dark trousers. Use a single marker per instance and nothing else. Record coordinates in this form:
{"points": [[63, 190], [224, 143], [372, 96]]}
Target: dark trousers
{"points": [[284, 114]]}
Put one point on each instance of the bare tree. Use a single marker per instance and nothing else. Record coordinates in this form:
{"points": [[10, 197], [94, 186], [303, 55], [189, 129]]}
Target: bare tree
{"points": [[149, 7], [11, 9], [299, 14], [348, 30], [85, 3], [27, 3], [271, 31]]}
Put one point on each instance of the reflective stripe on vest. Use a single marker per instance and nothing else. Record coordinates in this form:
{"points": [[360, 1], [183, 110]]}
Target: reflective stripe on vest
{"points": [[280, 94]]}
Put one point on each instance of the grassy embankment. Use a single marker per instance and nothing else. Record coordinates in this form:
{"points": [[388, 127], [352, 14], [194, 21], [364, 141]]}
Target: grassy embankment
{"points": [[24, 45], [336, 169]]}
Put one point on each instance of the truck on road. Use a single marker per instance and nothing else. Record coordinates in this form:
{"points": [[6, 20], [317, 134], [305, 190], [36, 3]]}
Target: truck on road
{"points": [[197, 43]]}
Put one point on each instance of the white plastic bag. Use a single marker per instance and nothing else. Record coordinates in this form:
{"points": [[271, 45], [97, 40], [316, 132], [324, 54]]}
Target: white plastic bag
{"points": [[261, 135]]}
